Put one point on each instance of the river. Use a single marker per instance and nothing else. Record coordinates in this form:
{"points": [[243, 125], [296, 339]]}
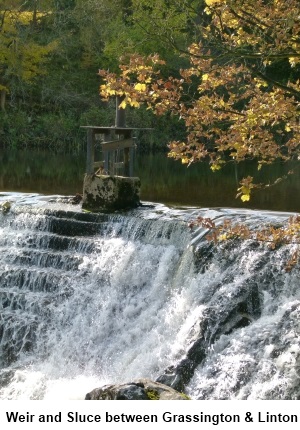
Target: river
{"points": [[163, 180]]}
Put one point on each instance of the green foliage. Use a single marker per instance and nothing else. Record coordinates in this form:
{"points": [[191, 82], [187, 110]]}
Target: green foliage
{"points": [[164, 128], [21, 58], [49, 60], [152, 394], [59, 129], [15, 129], [51, 80], [98, 115], [48, 130]]}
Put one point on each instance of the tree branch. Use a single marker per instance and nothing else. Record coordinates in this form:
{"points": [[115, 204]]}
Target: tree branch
{"points": [[276, 83]]}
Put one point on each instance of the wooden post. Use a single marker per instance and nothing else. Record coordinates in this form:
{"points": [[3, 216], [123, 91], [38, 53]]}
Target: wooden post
{"points": [[126, 162], [120, 113], [121, 122], [128, 171], [106, 154], [90, 152], [131, 160]]}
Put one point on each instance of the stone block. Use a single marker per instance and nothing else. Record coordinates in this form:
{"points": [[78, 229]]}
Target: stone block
{"points": [[110, 193]]}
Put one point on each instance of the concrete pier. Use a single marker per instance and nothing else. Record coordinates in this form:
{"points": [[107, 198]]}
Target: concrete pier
{"points": [[109, 193]]}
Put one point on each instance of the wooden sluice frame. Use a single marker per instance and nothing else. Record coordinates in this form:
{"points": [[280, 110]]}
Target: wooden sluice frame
{"points": [[117, 142]]}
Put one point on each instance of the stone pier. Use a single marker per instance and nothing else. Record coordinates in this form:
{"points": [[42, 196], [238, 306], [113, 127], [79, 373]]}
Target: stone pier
{"points": [[110, 193]]}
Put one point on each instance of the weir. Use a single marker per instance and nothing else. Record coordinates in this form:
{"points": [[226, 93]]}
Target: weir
{"points": [[93, 299]]}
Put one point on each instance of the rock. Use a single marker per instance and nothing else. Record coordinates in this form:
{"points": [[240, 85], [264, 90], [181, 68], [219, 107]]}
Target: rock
{"points": [[141, 389], [73, 200], [222, 317], [5, 207]]}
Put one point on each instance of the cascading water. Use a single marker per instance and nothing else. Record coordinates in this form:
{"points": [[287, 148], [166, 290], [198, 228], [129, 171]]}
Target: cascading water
{"points": [[90, 299]]}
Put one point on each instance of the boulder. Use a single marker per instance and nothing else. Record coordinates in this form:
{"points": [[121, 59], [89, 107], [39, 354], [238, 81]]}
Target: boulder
{"points": [[223, 316], [141, 389], [5, 207]]}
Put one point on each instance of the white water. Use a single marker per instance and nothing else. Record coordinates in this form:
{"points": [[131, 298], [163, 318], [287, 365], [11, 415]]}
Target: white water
{"points": [[127, 302], [261, 360]]}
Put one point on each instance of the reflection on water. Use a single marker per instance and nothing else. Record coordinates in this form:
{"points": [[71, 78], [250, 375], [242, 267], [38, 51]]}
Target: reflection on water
{"points": [[41, 172], [163, 180]]}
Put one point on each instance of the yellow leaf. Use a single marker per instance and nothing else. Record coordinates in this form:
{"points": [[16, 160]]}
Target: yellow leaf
{"points": [[184, 160], [287, 128], [123, 105], [293, 61], [215, 167], [134, 103], [111, 92], [205, 77], [211, 2], [245, 197], [140, 87], [245, 190]]}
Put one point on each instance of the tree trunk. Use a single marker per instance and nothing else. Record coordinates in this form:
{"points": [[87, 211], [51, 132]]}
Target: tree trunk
{"points": [[34, 15], [2, 100]]}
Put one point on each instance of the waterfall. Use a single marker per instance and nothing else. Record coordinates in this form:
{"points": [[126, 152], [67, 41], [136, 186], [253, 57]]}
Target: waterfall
{"points": [[89, 299]]}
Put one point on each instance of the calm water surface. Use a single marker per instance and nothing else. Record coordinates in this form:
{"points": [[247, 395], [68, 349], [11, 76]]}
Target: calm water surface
{"points": [[163, 180]]}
